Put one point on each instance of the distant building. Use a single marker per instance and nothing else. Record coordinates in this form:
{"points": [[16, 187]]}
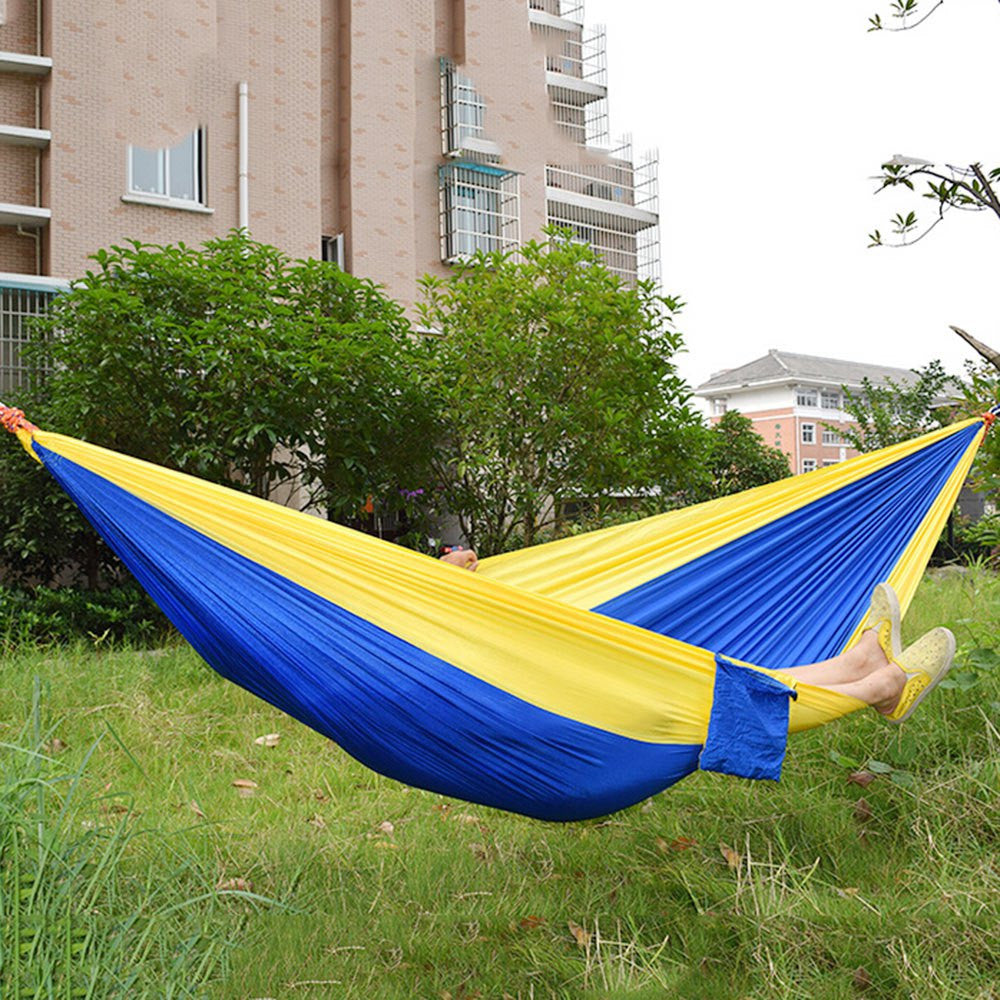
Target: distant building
{"points": [[392, 138], [796, 402]]}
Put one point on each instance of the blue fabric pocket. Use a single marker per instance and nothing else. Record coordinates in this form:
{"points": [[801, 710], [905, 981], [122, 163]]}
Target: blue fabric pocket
{"points": [[748, 725]]}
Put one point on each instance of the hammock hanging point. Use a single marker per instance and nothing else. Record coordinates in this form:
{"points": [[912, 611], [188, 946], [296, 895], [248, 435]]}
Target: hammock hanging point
{"points": [[14, 420]]}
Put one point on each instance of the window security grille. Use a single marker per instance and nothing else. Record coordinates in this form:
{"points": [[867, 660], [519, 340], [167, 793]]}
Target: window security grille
{"points": [[16, 306], [479, 210], [463, 111]]}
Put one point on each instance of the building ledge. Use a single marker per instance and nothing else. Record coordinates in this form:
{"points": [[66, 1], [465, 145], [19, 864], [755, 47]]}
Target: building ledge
{"points": [[27, 216], [638, 218], [18, 62], [16, 135], [175, 203], [33, 282], [586, 89], [546, 20]]}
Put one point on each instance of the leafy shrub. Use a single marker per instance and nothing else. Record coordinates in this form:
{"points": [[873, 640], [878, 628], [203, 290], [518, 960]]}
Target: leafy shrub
{"points": [[42, 614]]}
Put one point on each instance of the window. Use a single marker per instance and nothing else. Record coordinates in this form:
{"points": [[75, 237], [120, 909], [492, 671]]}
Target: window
{"points": [[831, 437], [809, 465], [718, 407], [479, 210], [807, 397], [17, 305], [463, 111], [830, 399], [830, 461], [175, 174], [332, 249], [808, 433]]}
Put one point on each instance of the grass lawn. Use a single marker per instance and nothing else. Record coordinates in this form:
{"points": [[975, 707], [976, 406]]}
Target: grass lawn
{"points": [[319, 878]]}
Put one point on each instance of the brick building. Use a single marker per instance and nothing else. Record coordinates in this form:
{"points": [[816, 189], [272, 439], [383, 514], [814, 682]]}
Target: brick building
{"points": [[795, 402], [392, 138]]}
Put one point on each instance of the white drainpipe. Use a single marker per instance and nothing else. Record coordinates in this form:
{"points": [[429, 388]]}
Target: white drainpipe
{"points": [[244, 174]]}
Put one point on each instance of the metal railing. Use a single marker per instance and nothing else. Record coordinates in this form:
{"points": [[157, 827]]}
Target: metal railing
{"points": [[583, 58], [17, 305], [480, 210], [463, 111], [619, 179], [571, 10]]}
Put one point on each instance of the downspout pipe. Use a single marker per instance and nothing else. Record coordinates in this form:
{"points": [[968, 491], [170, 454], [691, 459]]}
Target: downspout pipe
{"points": [[244, 166]]}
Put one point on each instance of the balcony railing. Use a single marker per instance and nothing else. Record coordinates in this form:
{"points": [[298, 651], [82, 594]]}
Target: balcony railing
{"points": [[570, 10], [584, 58], [586, 124], [618, 180]]}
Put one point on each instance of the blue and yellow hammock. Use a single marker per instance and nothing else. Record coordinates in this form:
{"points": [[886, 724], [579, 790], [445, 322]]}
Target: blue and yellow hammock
{"points": [[564, 681]]}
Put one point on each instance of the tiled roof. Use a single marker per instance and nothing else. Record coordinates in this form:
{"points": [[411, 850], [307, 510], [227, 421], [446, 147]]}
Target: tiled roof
{"points": [[784, 366]]}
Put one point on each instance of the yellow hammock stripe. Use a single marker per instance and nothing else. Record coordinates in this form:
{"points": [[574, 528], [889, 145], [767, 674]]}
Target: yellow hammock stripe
{"points": [[596, 670], [587, 570]]}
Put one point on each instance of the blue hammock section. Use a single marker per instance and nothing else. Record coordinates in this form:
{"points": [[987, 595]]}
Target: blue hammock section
{"points": [[812, 571], [399, 711]]}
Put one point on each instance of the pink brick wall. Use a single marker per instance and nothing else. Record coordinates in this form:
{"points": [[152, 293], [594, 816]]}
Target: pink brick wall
{"points": [[164, 70]]}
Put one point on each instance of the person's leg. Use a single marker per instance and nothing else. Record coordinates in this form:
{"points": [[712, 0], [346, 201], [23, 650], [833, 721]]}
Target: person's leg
{"points": [[881, 689], [855, 664]]}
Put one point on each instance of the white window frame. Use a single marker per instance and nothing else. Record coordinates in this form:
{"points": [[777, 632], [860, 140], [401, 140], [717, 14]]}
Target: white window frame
{"points": [[831, 437], [809, 465], [808, 434], [829, 399], [806, 396], [164, 196], [719, 407]]}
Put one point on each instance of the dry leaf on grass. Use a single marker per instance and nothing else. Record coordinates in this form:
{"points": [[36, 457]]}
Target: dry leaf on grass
{"points": [[386, 827], [55, 745], [317, 821], [731, 855], [268, 740], [862, 811], [582, 937], [245, 787], [862, 778], [196, 809], [531, 922], [683, 843]]}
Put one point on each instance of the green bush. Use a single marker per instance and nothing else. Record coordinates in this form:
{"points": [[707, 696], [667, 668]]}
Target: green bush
{"points": [[122, 614]]}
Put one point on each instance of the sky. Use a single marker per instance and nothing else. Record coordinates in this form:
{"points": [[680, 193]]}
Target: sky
{"points": [[770, 120]]}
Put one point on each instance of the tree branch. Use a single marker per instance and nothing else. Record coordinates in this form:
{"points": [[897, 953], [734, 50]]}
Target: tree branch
{"points": [[908, 27], [988, 193], [993, 357]]}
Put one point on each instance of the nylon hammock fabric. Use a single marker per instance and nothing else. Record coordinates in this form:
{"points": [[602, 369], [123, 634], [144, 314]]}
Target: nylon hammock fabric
{"points": [[565, 681]]}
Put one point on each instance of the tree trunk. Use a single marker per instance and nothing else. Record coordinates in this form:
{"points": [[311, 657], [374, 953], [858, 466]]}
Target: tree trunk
{"points": [[992, 356]]}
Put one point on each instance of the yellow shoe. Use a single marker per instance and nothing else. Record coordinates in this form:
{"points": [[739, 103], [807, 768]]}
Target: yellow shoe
{"points": [[925, 663], [884, 617]]}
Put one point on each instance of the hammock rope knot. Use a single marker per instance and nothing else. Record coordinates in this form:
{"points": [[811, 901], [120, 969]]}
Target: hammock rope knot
{"points": [[14, 420]]}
